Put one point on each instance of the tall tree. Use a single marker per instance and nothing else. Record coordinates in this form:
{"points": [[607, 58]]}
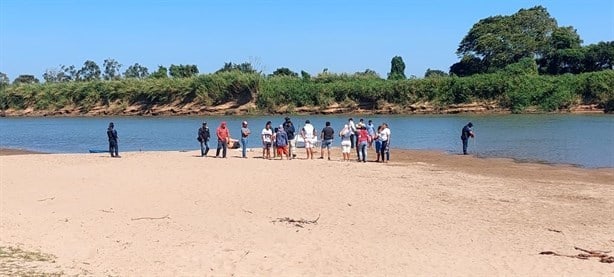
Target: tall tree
{"points": [[162, 72], [69, 73], [468, 65], [136, 71], [111, 69], [501, 40], [599, 56], [53, 75], [284, 71], [4, 80], [89, 72], [183, 71], [25, 79], [397, 69]]}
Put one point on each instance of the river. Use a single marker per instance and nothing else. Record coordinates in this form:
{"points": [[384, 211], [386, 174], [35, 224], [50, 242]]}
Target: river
{"points": [[582, 140]]}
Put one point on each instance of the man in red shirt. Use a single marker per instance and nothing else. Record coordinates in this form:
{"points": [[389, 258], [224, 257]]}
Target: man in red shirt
{"points": [[223, 138]]}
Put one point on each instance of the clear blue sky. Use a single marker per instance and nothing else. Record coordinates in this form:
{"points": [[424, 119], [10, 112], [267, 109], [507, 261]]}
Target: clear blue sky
{"points": [[343, 36]]}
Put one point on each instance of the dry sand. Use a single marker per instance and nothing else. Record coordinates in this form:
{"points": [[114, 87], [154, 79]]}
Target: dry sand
{"points": [[174, 213]]}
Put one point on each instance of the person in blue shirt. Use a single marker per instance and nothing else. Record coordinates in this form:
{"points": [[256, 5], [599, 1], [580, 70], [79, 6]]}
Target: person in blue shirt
{"points": [[371, 131], [466, 133], [112, 135]]}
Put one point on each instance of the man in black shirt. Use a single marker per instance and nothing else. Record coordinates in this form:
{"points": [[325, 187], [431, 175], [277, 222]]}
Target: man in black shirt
{"points": [[203, 138], [327, 140], [289, 128], [112, 135], [466, 133]]}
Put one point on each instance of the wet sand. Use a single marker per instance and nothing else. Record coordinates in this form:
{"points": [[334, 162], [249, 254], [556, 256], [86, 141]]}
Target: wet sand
{"points": [[424, 213]]}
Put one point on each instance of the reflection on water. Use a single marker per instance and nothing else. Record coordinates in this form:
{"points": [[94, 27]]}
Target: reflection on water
{"points": [[584, 140]]}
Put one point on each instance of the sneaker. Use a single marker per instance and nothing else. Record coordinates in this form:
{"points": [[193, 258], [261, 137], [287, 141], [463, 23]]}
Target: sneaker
{"points": [[321, 158]]}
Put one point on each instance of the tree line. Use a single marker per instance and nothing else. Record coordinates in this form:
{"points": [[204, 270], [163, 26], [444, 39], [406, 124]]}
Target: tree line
{"points": [[520, 60]]}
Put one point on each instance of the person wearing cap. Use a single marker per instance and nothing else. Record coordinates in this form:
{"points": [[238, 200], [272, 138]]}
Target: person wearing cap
{"points": [[466, 133], [244, 134], [290, 131], [308, 133], [203, 138], [281, 140], [112, 135], [363, 140], [223, 138]]}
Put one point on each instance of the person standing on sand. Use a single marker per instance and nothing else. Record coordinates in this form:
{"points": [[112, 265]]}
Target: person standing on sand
{"points": [[281, 139], [289, 128], [378, 142], [352, 127], [384, 135], [203, 138], [112, 135], [309, 134], [371, 131], [244, 134], [274, 142], [223, 138], [266, 135], [327, 135], [466, 133], [362, 123], [346, 142], [363, 140]]}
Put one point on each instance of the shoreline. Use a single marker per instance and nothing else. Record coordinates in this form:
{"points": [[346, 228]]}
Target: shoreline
{"points": [[491, 166]]}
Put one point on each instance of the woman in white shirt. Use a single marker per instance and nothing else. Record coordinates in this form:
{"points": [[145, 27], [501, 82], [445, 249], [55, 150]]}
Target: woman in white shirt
{"points": [[266, 135], [346, 142], [384, 136]]}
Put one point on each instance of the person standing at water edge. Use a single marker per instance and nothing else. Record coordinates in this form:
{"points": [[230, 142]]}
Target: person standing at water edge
{"points": [[352, 127], [328, 134], [346, 143], [309, 134], [266, 136], [112, 135], [281, 140], [289, 128], [244, 134], [466, 133], [203, 138], [384, 136], [371, 131], [223, 138], [363, 140]]}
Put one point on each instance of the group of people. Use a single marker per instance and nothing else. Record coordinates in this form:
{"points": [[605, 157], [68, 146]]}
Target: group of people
{"points": [[282, 140]]}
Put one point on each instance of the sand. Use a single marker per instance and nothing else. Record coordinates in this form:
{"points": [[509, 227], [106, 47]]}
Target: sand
{"points": [[177, 214]]}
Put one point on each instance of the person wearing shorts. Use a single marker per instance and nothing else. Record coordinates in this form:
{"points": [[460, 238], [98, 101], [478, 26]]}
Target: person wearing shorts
{"points": [[346, 142], [281, 139], [266, 136], [309, 134], [328, 134]]}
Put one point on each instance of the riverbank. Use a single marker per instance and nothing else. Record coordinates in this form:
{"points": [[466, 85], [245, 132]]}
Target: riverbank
{"points": [[425, 213], [232, 108]]}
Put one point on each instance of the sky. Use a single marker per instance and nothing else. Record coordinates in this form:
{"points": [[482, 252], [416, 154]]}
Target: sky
{"points": [[341, 36]]}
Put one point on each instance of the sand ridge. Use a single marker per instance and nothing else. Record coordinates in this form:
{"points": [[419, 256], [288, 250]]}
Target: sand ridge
{"points": [[174, 213]]}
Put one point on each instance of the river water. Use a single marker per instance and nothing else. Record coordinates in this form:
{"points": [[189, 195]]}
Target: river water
{"points": [[582, 140]]}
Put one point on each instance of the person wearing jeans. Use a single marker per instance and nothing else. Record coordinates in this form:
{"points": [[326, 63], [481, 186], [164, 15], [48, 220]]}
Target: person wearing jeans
{"points": [[223, 137], [244, 134], [363, 141], [384, 135], [203, 138]]}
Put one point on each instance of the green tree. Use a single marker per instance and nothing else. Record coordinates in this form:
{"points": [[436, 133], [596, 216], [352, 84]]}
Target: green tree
{"points": [[468, 65], [434, 73], [136, 71], [305, 75], [599, 56], [53, 75], [25, 79], [397, 69], [89, 72], [161, 73], [245, 67], [69, 73], [284, 71], [183, 71], [368, 73], [4, 80], [111, 69], [501, 40]]}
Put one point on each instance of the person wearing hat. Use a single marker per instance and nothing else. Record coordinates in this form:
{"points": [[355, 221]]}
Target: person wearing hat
{"points": [[112, 135], [244, 134], [363, 140], [466, 133], [203, 138], [290, 131], [308, 133]]}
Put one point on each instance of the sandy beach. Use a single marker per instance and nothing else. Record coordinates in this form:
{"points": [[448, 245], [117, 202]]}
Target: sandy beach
{"points": [[177, 214]]}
